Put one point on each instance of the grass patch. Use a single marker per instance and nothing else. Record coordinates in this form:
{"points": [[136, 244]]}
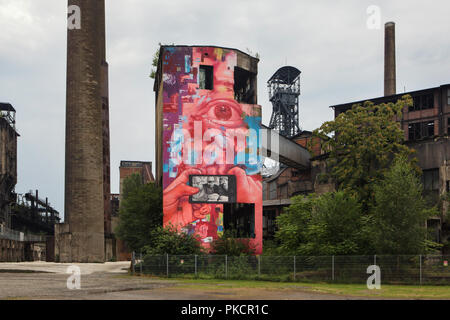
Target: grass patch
{"points": [[355, 290]]}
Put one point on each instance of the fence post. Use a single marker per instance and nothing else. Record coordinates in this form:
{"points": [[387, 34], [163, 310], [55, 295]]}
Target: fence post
{"points": [[167, 262], [226, 266], [195, 265], [332, 268], [420, 267], [132, 262], [140, 265], [294, 268]]}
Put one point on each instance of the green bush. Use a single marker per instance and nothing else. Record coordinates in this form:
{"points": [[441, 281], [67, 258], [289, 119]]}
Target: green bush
{"points": [[169, 241], [229, 244]]}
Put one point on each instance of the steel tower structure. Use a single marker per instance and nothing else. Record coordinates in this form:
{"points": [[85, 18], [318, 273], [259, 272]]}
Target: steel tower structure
{"points": [[284, 90]]}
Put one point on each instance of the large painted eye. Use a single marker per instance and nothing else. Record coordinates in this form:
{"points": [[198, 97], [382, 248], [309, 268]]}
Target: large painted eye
{"points": [[223, 113]]}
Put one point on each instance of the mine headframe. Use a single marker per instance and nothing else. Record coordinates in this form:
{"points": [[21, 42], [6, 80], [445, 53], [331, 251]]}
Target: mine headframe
{"points": [[284, 90]]}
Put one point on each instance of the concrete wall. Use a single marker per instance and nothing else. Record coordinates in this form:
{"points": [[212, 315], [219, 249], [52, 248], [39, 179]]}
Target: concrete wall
{"points": [[16, 251]]}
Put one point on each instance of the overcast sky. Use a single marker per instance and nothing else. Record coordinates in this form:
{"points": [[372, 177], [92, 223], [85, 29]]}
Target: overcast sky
{"points": [[341, 60]]}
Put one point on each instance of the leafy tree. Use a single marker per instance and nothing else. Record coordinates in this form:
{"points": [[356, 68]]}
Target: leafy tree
{"points": [[330, 224], [169, 241], [154, 64], [140, 212], [365, 140], [155, 60], [400, 211], [336, 226], [292, 223]]}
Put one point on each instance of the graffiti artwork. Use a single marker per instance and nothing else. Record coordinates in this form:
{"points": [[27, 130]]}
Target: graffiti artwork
{"points": [[211, 143]]}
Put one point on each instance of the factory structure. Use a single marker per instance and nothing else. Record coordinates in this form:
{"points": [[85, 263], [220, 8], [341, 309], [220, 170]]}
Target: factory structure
{"points": [[26, 221], [86, 235], [426, 126], [8, 160], [209, 150], [207, 147]]}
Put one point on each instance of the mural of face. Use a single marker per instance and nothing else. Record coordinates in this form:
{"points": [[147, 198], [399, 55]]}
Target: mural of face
{"points": [[222, 124], [224, 183]]}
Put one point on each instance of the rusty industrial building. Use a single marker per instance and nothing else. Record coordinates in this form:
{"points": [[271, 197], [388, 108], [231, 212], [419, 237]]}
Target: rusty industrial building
{"points": [[426, 126], [26, 221], [86, 235], [8, 160]]}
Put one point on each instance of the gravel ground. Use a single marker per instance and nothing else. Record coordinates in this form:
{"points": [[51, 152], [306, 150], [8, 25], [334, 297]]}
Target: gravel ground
{"points": [[108, 281]]}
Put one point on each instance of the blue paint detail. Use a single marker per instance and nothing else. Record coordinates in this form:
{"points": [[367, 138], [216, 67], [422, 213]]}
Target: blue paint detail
{"points": [[253, 161], [187, 64], [165, 167]]}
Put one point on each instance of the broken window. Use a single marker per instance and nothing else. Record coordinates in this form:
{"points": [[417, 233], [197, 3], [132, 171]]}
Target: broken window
{"points": [[239, 219], [269, 225], [273, 190], [420, 130], [422, 102], [433, 228], [244, 86], [430, 179], [206, 76]]}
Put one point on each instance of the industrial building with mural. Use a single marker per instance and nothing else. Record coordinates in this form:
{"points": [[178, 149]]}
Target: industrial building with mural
{"points": [[210, 147]]}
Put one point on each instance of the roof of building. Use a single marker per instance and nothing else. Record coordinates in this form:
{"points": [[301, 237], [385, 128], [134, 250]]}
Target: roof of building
{"points": [[286, 75], [133, 163], [6, 107], [276, 175], [384, 98], [209, 46]]}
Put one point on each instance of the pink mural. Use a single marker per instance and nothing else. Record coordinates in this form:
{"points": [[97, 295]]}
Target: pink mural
{"points": [[211, 149]]}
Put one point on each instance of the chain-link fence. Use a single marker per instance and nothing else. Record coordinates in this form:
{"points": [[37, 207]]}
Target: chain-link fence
{"points": [[401, 269]]}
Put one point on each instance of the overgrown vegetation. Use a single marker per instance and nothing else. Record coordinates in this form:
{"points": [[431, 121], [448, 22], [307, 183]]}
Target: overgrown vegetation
{"points": [[169, 241], [140, 212], [378, 207], [229, 244]]}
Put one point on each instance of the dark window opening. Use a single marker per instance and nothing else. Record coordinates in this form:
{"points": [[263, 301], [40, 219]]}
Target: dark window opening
{"points": [[422, 102], [433, 228], [448, 125], [244, 86], [239, 219], [206, 76], [273, 193], [420, 130], [430, 179], [269, 225]]}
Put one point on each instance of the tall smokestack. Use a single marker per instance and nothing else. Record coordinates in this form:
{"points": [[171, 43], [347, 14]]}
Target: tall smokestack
{"points": [[84, 193], [389, 59]]}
